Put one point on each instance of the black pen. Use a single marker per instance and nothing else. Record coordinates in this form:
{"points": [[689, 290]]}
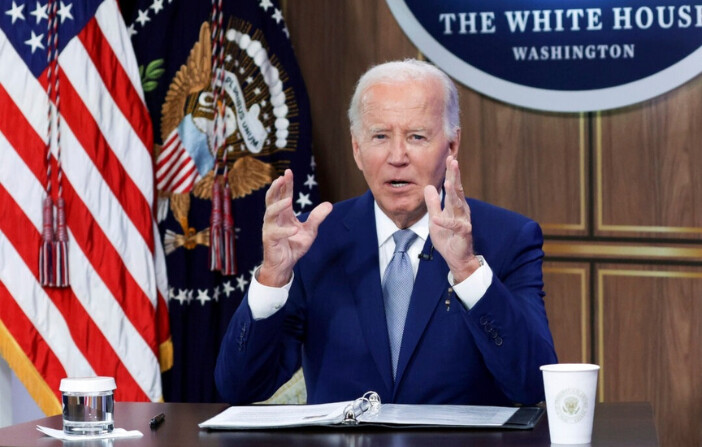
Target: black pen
{"points": [[156, 421]]}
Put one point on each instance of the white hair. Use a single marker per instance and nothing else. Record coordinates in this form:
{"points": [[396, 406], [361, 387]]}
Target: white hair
{"points": [[400, 71]]}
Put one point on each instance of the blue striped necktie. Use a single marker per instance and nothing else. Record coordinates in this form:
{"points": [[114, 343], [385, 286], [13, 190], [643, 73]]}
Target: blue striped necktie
{"points": [[398, 281]]}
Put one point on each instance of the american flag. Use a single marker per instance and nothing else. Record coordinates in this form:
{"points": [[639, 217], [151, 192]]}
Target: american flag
{"points": [[112, 320]]}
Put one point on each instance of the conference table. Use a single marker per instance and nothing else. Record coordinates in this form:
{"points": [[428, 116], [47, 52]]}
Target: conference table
{"points": [[616, 424]]}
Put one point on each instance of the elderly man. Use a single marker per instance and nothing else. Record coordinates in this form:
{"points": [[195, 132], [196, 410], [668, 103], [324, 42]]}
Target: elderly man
{"points": [[409, 290]]}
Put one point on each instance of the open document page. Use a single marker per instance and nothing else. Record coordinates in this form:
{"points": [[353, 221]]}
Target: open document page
{"points": [[277, 416], [438, 415]]}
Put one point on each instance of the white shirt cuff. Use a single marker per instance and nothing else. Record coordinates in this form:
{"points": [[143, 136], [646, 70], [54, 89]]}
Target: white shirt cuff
{"points": [[264, 301], [471, 289]]}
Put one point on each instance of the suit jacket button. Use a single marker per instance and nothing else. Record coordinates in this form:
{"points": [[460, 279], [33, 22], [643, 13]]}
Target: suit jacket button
{"points": [[498, 341], [483, 320]]}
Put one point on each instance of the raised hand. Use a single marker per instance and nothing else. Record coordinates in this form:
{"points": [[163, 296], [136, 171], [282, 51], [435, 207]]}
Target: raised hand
{"points": [[285, 238], [450, 229]]}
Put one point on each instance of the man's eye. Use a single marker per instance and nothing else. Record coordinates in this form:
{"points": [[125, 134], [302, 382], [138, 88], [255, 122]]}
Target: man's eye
{"points": [[379, 137], [417, 137]]}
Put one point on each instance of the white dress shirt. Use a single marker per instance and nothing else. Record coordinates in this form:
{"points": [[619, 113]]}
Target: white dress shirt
{"points": [[264, 301]]}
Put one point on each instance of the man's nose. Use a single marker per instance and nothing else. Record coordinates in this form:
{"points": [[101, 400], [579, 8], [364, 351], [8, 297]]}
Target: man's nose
{"points": [[398, 152]]}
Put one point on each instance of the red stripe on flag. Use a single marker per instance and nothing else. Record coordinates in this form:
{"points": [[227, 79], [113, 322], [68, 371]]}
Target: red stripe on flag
{"points": [[186, 181], [168, 151], [166, 171], [85, 333], [87, 132], [116, 80], [20, 133], [175, 171]]}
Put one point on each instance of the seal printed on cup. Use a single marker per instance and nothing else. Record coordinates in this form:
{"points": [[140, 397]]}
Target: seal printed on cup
{"points": [[570, 390], [571, 405], [88, 405]]}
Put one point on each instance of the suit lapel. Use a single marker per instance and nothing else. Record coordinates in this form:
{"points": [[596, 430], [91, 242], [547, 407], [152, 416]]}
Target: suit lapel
{"points": [[364, 278], [429, 287]]}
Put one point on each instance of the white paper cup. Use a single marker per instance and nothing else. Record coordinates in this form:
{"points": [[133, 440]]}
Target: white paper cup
{"points": [[570, 401]]}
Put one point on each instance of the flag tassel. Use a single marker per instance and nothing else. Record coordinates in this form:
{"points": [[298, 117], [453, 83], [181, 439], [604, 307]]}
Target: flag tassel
{"points": [[61, 246], [216, 227], [229, 263], [46, 270]]}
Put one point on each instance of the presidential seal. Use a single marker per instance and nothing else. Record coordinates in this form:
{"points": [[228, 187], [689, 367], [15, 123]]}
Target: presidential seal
{"points": [[571, 405], [231, 119]]}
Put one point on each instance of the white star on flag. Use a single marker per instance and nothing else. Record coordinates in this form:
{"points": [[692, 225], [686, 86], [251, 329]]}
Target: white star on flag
{"points": [[35, 41], [303, 200], [228, 288], [143, 17], [202, 296], [310, 183], [182, 296], [277, 15], [65, 12], [241, 282], [265, 4], [15, 12], [157, 5], [40, 12]]}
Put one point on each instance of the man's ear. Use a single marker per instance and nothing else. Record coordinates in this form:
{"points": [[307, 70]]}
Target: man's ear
{"points": [[356, 153]]}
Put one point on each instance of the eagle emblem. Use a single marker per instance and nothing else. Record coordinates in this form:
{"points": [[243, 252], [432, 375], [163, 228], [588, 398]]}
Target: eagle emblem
{"points": [[255, 125]]}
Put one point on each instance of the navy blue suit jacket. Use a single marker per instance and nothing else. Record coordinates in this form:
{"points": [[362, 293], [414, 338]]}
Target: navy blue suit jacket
{"points": [[333, 323]]}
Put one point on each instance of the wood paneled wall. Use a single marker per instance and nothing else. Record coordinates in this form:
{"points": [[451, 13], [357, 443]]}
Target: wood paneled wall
{"points": [[618, 194]]}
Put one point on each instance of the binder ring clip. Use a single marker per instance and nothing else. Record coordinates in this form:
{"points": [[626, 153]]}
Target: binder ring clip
{"points": [[373, 400], [368, 402]]}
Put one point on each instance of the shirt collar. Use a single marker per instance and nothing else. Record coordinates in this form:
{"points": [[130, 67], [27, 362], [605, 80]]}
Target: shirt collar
{"points": [[385, 227]]}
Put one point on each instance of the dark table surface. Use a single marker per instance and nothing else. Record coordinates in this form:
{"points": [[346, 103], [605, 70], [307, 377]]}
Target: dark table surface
{"points": [[616, 424]]}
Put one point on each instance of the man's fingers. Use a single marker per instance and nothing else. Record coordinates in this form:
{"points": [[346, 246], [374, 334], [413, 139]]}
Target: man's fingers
{"points": [[274, 191], [317, 215], [276, 208], [458, 226], [280, 188], [286, 188], [449, 172], [433, 201], [455, 201], [453, 174]]}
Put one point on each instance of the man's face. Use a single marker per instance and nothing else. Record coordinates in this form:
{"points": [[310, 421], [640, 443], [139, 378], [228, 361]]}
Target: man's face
{"points": [[401, 146]]}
